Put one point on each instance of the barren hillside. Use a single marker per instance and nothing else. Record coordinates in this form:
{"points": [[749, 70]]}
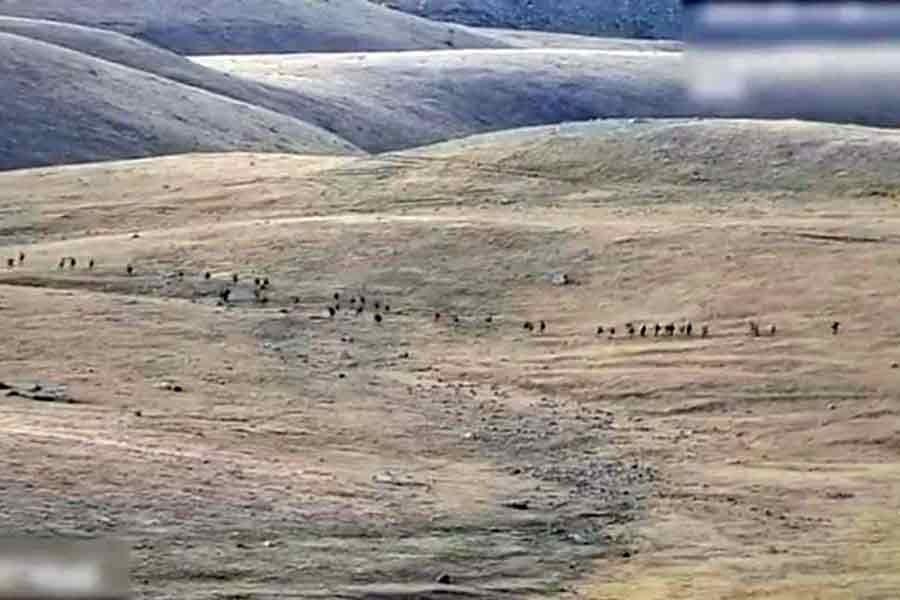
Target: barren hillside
{"points": [[61, 106], [134, 53], [231, 443], [251, 26], [387, 101], [729, 155], [620, 18]]}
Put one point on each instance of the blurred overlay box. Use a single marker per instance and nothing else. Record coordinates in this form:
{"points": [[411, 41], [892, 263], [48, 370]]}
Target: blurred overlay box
{"points": [[63, 569]]}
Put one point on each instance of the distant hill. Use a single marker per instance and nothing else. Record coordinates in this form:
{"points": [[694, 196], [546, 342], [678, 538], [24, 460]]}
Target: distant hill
{"points": [[134, 53], [728, 154], [60, 106], [622, 18], [254, 26], [388, 101]]}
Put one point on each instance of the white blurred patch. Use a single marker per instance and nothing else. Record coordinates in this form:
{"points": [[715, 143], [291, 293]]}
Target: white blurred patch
{"points": [[63, 569], [828, 61]]}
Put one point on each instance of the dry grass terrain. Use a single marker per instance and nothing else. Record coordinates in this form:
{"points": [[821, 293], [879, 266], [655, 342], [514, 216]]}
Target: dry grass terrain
{"points": [[264, 449], [61, 106], [250, 26], [392, 100]]}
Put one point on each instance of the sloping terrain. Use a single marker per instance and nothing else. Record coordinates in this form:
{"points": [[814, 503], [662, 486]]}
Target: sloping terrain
{"points": [[624, 18], [264, 448], [388, 101], [61, 106], [774, 155], [378, 102], [134, 53], [518, 38], [253, 26]]}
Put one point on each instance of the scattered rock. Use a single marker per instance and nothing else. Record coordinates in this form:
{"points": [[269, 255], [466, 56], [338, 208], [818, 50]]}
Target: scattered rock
{"points": [[561, 279], [839, 495], [42, 392], [169, 386], [516, 504]]}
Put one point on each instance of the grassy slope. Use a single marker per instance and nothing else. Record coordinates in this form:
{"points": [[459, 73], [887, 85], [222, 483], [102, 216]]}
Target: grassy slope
{"points": [[776, 455]]}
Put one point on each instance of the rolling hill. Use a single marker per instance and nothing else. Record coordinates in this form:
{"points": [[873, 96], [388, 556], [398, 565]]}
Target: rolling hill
{"points": [[725, 154], [254, 26], [618, 465], [387, 101], [60, 106], [624, 18], [131, 52]]}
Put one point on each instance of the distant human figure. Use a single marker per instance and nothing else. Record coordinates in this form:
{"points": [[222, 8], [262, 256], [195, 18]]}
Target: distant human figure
{"points": [[612, 332], [180, 274], [704, 331], [681, 328], [226, 293], [10, 263], [772, 329], [377, 305], [688, 328], [670, 329], [378, 317], [91, 265], [529, 326], [599, 329], [387, 308], [456, 318], [72, 262], [754, 328], [62, 264], [543, 326], [437, 317], [834, 327], [129, 269], [21, 257], [643, 330], [256, 281], [630, 329], [656, 329], [331, 311], [207, 275], [337, 296], [487, 319], [234, 278]]}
